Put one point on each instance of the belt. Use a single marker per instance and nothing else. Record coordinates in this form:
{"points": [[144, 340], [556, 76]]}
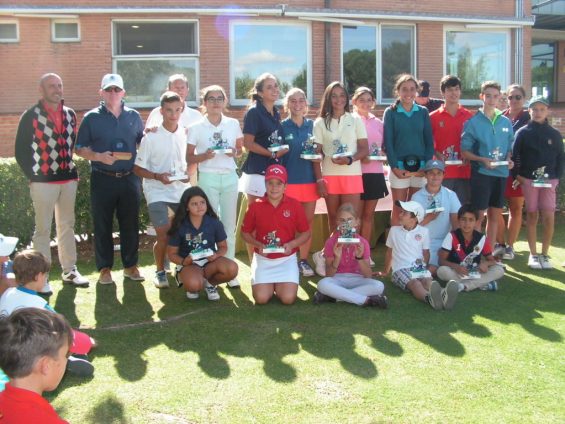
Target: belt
{"points": [[112, 173]]}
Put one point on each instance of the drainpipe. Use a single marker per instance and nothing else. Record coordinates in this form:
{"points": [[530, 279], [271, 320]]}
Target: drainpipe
{"points": [[519, 42], [327, 47]]}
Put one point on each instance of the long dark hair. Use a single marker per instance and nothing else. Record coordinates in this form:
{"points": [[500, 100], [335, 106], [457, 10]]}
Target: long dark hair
{"points": [[181, 213], [326, 110]]}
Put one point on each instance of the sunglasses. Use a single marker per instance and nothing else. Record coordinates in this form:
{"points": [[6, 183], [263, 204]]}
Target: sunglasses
{"points": [[517, 97], [114, 89]]}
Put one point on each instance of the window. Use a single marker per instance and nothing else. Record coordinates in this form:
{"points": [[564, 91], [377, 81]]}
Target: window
{"points": [[475, 57], [543, 69], [65, 30], [9, 32], [374, 55], [146, 53], [280, 49]]}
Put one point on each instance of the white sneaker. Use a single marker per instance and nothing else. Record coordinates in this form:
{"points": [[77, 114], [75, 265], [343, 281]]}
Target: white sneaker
{"points": [[75, 278], [46, 290], [319, 263], [211, 291], [160, 280], [192, 296], [534, 262], [371, 263], [499, 250], [544, 262], [233, 284]]}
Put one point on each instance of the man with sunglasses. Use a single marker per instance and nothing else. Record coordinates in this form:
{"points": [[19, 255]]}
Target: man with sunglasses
{"points": [[44, 151], [108, 137]]}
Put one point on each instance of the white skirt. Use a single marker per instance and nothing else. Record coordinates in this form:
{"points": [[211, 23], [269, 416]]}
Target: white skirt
{"points": [[253, 184], [269, 271]]}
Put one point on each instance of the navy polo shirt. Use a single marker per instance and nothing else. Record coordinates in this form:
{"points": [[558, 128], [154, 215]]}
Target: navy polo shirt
{"points": [[212, 231], [260, 123], [102, 131], [300, 171]]}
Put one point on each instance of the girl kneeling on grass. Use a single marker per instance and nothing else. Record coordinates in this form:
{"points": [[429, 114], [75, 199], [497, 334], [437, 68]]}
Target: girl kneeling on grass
{"points": [[275, 226], [348, 273], [198, 244]]}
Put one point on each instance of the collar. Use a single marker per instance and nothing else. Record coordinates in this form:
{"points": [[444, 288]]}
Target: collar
{"points": [[265, 199], [497, 114], [210, 125], [415, 108], [26, 290], [259, 105], [443, 109], [49, 109], [432, 194], [105, 109], [409, 231]]}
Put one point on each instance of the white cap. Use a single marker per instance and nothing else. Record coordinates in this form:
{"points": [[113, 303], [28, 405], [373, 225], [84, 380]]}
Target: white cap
{"points": [[112, 80], [414, 207], [7, 245]]}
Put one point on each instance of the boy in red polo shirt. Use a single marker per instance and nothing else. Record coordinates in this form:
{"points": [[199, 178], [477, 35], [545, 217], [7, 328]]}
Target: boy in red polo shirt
{"points": [[275, 226], [33, 353]]}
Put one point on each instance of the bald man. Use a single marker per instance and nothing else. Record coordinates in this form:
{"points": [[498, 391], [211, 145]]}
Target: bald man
{"points": [[44, 151]]}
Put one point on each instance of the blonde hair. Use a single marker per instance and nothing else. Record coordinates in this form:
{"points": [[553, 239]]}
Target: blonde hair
{"points": [[349, 208], [205, 93], [290, 93]]}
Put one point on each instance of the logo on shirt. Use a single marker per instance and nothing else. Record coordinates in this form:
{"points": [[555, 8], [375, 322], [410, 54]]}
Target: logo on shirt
{"points": [[549, 141], [418, 237], [286, 212], [477, 249], [504, 129], [441, 124]]}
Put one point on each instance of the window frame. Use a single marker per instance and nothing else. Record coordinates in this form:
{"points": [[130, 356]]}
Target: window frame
{"points": [[11, 40], [128, 57], [507, 56], [54, 22], [238, 22]]}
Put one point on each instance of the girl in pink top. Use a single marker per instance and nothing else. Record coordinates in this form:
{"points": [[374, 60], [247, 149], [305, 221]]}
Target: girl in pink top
{"points": [[348, 274]]}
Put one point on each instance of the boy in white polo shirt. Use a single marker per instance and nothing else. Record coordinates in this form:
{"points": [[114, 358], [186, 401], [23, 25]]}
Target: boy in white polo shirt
{"points": [[161, 162], [408, 254]]}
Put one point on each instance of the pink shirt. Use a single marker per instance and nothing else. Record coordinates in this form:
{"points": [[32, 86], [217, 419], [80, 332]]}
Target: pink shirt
{"points": [[348, 263], [374, 127]]}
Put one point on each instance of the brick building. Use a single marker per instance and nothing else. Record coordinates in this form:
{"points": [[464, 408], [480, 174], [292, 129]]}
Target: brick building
{"points": [[305, 43]]}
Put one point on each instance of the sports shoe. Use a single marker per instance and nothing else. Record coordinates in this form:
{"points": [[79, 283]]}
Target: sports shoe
{"points": [[321, 298], [461, 287], [233, 284], [133, 273], [449, 294], [434, 296], [508, 253], [105, 276], [160, 280], [80, 366], [192, 295], [371, 262], [534, 262], [319, 263], [305, 268], [379, 301], [75, 278], [499, 249], [46, 289], [211, 291], [492, 286], [544, 262]]}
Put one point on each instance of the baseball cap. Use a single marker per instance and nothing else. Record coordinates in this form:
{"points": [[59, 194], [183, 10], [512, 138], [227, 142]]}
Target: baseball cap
{"points": [[538, 99], [434, 164], [424, 88], [7, 245], [276, 171], [414, 207], [112, 80]]}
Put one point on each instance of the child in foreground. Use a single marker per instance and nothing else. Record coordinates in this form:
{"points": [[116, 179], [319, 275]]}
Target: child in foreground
{"points": [[465, 252], [33, 352], [198, 243], [31, 269], [407, 255], [348, 272]]}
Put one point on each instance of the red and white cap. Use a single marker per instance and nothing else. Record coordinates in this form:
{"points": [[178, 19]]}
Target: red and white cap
{"points": [[278, 172]]}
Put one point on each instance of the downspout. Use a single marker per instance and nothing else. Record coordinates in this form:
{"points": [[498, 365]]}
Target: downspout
{"points": [[519, 43], [327, 47]]}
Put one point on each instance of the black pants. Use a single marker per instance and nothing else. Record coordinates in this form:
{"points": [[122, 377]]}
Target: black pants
{"points": [[120, 195]]}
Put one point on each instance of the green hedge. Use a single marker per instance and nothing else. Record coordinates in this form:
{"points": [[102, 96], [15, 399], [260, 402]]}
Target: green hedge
{"points": [[16, 209]]}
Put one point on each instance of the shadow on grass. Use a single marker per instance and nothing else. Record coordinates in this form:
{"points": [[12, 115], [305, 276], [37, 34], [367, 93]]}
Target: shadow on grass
{"points": [[108, 410]]}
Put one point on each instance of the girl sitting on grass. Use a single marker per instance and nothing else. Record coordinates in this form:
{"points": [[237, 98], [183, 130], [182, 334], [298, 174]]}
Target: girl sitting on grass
{"points": [[348, 273], [198, 243]]}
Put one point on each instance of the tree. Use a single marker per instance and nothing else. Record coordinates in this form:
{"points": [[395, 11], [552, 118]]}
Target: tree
{"points": [[359, 69]]}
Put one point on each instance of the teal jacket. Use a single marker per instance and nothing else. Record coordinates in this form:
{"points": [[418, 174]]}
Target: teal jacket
{"points": [[482, 137]]}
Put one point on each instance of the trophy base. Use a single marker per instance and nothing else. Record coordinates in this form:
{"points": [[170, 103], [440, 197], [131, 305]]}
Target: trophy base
{"points": [[122, 155], [310, 156], [471, 276], [277, 148], [499, 163], [222, 151], [348, 240], [454, 162], [540, 184], [342, 155], [420, 274], [178, 177], [375, 157], [201, 254], [273, 250], [435, 210]]}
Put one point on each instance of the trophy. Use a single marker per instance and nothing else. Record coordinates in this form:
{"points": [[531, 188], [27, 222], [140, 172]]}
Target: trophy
{"points": [[198, 249], [348, 233], [419, 270], [497, 158], [272, 243], [540, 178], [340, 150], [219, 144], [451, 156], [473, 268], [309, 149], [177, 173], [376, 153], [435, 205], [276, 142]]}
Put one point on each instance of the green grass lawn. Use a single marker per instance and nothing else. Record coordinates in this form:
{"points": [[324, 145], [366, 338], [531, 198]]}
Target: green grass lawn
{"points": [[497, 357]]}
